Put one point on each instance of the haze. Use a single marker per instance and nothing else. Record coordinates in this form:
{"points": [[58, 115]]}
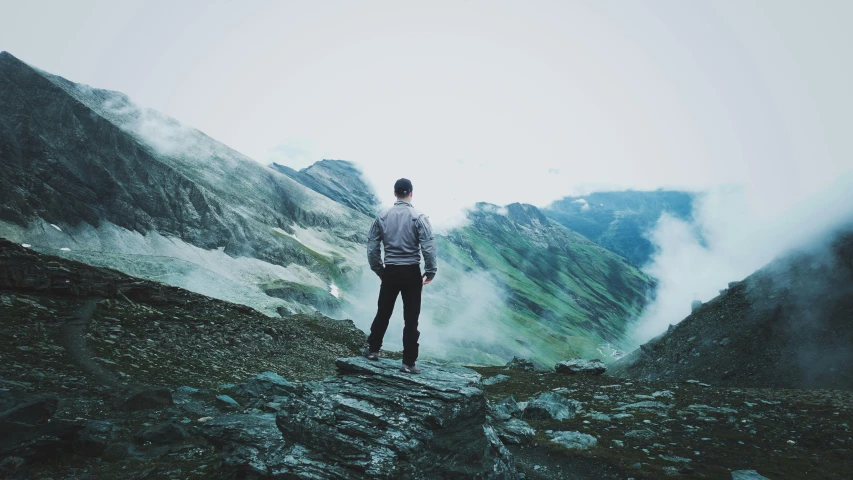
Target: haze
{"points": [[504, 101]]}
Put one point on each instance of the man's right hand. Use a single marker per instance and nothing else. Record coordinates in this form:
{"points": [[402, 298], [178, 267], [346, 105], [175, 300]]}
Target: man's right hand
{"points": [[426, 279]]}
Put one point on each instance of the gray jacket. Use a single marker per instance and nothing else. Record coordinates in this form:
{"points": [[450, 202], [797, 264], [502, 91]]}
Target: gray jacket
{"points": [[403, 230]]}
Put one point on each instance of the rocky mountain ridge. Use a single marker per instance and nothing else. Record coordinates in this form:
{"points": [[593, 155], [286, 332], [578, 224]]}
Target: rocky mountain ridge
{"points": [[788, 325], [339, 180], [139, 378]]}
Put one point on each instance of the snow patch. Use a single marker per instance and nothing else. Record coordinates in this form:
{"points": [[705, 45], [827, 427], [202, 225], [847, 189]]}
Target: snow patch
{"points": [[54, 226], [333, 289], [26, 245], [65, 249]]}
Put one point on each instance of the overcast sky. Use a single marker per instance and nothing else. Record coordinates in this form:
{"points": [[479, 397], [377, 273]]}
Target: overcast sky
{"points": [[493, 101]]}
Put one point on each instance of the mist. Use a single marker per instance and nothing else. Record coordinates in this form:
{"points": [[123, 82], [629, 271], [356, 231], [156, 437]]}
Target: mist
{"points": [[462, 327], [735, 231]]}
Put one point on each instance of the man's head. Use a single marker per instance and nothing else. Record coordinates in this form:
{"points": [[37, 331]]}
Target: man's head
{"points": [[403, 189]]}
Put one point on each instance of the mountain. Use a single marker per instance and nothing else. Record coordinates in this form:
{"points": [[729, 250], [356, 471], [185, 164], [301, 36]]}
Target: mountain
{"points": [[619, 221], [788, 325], [113, 184], [87, 175], [548, 293], [566, 295], [339, 180], [104, 376]]}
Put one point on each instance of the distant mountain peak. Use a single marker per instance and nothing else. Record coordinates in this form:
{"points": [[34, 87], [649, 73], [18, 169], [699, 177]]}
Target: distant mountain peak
{"points": [[525, 214], [341, 180]]}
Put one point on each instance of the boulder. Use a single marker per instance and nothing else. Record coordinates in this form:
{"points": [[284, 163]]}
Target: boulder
{"points": [[509, 428], [573, 440], [373, 421], [518, 363], [163, 433], [505, 409], [252, 443], [144, 398], [28, 410], [551, 406], [496, 379], [27, 430], [94, 439], [227, 402], [580, 365], [514, 431], [265, 385]]}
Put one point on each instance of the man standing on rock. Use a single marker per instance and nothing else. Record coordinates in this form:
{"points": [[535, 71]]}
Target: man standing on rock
{"points": [[405, 234]]}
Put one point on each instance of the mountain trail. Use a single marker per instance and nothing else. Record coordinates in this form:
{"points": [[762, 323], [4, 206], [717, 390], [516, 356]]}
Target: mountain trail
{"points": [[74, 341]]}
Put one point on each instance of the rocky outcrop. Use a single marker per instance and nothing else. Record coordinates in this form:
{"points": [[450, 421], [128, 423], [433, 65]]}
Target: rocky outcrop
{"points": [[28, 431], [340, 180], [374, 422], [573, 440], [550, 405], [786, 326], [579, 365], [505, 417], [518, 363]]}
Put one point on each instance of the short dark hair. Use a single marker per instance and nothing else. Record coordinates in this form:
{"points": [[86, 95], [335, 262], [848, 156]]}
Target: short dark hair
{"points": [[403, 187]]}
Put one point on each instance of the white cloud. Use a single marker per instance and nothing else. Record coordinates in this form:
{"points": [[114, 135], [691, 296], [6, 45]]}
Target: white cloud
{"points": [[584, 204], [734, 234]]}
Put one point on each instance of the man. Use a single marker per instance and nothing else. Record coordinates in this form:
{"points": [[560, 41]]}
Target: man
{"points": [[403, 231]]}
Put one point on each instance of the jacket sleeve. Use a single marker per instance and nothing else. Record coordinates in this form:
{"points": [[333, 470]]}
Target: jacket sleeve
{"points": [[427, 241], [374, 252]]}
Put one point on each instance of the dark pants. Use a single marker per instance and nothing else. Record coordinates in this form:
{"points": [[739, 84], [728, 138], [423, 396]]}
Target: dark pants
{"points": [[405, 280]]}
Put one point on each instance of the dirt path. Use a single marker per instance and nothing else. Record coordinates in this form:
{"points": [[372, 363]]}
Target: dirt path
{"points": [[74, 341]]}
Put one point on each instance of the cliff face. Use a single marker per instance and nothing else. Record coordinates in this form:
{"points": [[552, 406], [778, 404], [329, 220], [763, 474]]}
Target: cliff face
{"points": [[103, 172], [790, 324], [339, 180]]}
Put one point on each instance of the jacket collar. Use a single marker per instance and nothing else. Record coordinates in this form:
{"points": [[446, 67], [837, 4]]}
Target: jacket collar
{"points": [[402, 202]]}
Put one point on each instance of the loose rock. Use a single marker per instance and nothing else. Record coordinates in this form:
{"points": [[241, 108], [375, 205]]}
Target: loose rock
{"points": [[580, 365], [573, 440], [551, 406], [518, 363]]}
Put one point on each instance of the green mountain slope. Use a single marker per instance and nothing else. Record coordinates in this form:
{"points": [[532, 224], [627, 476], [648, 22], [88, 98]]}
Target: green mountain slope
{"points": [[619, 220], [561, 289], [539, 289]]}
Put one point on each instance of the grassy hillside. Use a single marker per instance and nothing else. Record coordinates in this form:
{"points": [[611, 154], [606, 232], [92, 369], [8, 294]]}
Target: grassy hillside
{"points": [[619, 220], [564, 295]]}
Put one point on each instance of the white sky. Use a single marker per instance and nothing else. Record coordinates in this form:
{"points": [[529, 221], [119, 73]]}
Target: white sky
{"points": [[484, 101]]}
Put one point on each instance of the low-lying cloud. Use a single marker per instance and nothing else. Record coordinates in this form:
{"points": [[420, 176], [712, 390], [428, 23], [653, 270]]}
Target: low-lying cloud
{"points": [[734, 233]]}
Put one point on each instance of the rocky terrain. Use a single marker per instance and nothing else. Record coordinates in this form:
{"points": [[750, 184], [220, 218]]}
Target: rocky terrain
{"points": [[689, 429], [339, 180], [788, 325], [108, 376], [88, 174]]}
